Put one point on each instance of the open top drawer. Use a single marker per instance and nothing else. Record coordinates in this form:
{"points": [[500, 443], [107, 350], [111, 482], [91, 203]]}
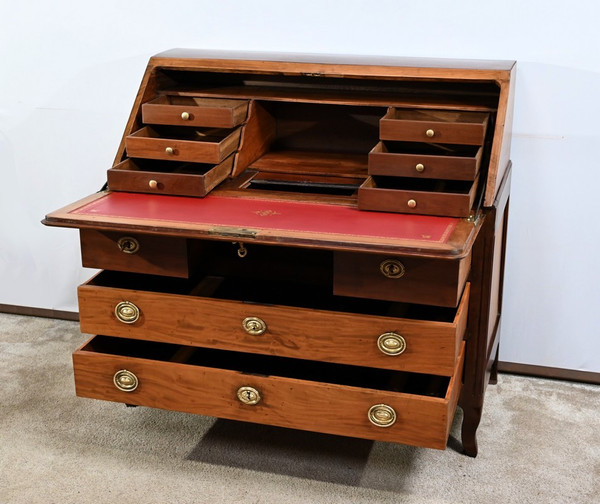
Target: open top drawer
{"points": [[193, 111], [439, 126], [332, 398]]}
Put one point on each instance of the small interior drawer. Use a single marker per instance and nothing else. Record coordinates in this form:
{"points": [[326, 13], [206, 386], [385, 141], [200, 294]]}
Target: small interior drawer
{"points": [[425, 160], [193, 111], [168, 177], [279, 318], [438, 126], [196, 145], [332, 398], [138, 252], [438, 282], [450, 198]]}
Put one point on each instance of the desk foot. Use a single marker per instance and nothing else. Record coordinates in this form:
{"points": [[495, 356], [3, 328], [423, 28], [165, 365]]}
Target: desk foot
{"points": [[471, 419]]}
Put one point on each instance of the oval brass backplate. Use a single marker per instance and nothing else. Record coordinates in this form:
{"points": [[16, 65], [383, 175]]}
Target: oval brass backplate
{"points": [[382, 415], [128, 245], [254, 326], [392, 268], [248, 395], [391, 343], [127, 312], [125, 380]]}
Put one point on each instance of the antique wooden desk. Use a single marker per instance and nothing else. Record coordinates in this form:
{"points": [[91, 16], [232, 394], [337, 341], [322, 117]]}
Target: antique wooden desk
{"points": [[308, 243]]}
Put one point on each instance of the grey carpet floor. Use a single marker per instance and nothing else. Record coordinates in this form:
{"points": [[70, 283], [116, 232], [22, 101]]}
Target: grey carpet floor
{"points": [[539, 443]]}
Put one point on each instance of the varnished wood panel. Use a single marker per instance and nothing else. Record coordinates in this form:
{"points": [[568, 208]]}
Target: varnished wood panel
{"points": [[285, 402], [425, 281]]}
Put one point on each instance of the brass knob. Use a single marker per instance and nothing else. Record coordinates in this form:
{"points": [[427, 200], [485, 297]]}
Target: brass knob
{"points": [[127, 312], [391, 343], [128, 245], [248, 395], [153, 184], [185, 116], [430, 133], [411, 203], [392, 268], [125, 380], [254, 326], [420, 167], [382, 415], [170, 151]]}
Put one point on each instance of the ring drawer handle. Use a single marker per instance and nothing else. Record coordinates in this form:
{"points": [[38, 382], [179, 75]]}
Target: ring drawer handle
{"points": [[127, 312], [391, 343], [128, 245], [392, 268], [248, 395], [125, 380], [254, 326], [382, 415]]}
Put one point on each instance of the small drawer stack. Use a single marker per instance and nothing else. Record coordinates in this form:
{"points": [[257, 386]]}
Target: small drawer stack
{"points": [[427, 162], [186, 146]]}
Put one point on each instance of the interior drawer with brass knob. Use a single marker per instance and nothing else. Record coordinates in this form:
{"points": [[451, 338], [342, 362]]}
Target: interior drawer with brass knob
{"points": [[438, 282], [436, 126], [196, 145], [139, 252], [424, 160], [168, 177], [195, 111], [449, 198], [338, 399], [268, 317]]}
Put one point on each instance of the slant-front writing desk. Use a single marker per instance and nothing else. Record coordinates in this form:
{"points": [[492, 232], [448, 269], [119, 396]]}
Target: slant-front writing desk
{"points": [[308, 243]]}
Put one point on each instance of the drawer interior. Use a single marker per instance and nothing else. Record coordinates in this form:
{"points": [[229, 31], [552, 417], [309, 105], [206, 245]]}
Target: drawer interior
{"points": [[427, 149], [208, 135], [262, 365], [421, 185], [159, 166], [269, 291]]}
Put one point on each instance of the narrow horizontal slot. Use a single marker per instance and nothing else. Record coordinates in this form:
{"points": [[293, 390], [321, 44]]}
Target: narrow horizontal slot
{"points": [[424, 185], [313, 371], [304, 187], [271, 292]]}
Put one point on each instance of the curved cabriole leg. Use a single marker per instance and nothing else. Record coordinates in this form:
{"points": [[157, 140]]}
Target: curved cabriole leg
{"points": [[471, 419]]}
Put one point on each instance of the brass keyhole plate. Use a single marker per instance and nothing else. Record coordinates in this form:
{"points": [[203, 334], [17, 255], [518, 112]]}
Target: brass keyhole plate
{"points": [[392, 268], [128, 245], [248, 395]]}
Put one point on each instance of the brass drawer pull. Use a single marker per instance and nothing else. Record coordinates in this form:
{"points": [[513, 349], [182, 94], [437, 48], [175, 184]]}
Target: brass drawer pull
{"points": [[420, 167], [185, 116], [128, 245], [170, 151], [127, 312], [125, 380], [248, 395], [430, 133], [254, 326], [153, 184], [391, 343], [392, 268], [382, 415], [412, 203]]}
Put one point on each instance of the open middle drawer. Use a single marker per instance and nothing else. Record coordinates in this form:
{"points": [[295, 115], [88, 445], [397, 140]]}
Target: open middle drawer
{"points": [[291, 320]]}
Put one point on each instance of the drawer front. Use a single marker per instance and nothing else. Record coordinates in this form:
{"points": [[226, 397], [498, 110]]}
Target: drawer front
{"points": [[392, 160], [295, 402], [443, 127], [405, 279], [135, 252], [424, 346], [441, 198], [189, 111], [198, 181], [146, 143]]}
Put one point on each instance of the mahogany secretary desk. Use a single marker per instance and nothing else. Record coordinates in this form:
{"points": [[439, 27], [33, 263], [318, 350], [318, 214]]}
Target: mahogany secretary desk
{"points": [[315, 243]]}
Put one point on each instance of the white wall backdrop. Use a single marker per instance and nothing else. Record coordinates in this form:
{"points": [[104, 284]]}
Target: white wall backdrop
{"points": [[69, 71]]}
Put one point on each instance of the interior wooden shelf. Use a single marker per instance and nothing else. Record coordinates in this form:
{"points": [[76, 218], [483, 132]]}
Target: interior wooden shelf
{"points": [[313, 163], [340, 97]]}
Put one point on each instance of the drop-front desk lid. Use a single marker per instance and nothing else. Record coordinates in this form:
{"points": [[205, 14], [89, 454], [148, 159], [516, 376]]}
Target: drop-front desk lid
{"points": [[268, 221]]}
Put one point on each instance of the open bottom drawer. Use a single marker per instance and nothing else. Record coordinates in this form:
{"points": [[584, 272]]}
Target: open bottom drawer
{"points": [[331, 398]]}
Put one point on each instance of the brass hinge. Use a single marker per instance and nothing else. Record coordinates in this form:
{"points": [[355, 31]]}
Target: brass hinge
{"points": [[233, 232]]}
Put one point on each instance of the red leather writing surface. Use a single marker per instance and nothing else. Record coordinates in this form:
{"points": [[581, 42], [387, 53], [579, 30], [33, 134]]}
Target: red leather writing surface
{"points": [[257, 214]]}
